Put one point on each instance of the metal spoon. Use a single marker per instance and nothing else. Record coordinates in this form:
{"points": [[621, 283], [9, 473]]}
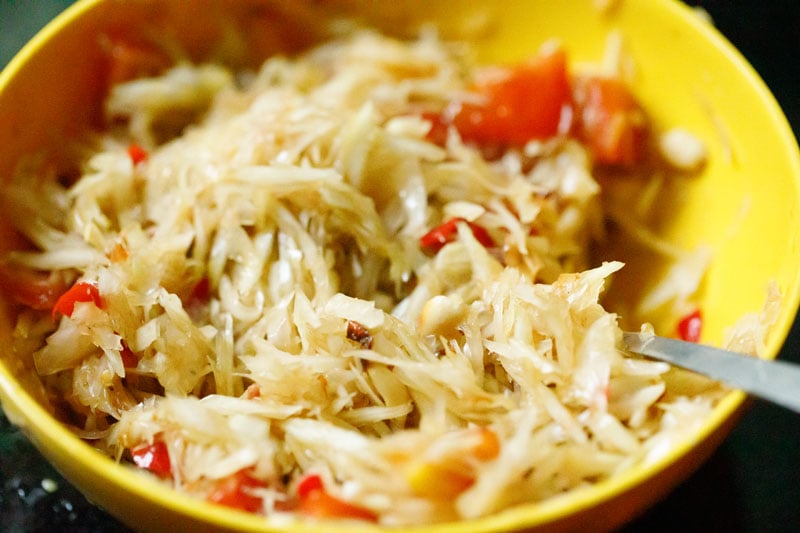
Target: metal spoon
{"points": [[776, 381]]}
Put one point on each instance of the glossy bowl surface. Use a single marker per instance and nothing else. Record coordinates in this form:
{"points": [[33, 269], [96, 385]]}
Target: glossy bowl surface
{"points": [[745, 203]]}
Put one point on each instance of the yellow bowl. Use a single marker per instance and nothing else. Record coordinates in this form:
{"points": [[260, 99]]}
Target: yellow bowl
{"points": [[745, 202]]}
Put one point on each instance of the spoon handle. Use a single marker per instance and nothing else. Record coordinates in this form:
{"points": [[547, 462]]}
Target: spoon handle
{"points": [[776, 381]]}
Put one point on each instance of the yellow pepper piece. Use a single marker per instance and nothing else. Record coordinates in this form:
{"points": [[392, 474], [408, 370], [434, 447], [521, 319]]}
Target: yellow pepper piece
{"points": [[436, 481]]}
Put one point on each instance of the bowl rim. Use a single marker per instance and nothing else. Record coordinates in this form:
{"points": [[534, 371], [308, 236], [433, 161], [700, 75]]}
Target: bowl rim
{"points": [[43, 428]]}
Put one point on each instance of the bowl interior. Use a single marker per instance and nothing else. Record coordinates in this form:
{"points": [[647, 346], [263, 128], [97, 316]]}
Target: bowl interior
{"points": [[744, 204]]}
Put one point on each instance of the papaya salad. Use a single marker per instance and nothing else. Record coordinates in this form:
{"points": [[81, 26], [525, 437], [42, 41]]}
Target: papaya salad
{"points": [[355, 283]]}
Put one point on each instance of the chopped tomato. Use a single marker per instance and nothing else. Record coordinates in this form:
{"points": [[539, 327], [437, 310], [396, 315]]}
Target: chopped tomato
{"points": [[609, 120], [80, 292], [153, 457], [31, 288], [316, 502], [525, 103], [435, 239], [236, 491], [691, 326], [136, 153]]}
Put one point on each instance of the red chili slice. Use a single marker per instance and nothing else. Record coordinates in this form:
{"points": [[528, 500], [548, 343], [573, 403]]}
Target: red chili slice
{"points": [[690, 327], [315, 501], [80, 292], [129, 359], [136, 153], [435, 239], [235, 491], [309, 484], [153, 457]]}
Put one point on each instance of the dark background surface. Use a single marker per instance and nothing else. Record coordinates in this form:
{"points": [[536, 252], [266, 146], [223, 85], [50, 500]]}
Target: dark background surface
{"points": [[752, 482]]}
